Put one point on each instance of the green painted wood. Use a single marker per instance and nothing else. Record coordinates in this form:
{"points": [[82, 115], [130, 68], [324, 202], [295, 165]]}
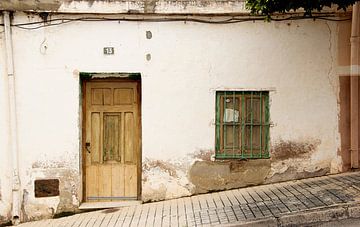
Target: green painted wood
{"points": [[229, 152], [243, 124], [217, 120], [251, 121], [261, 122]]}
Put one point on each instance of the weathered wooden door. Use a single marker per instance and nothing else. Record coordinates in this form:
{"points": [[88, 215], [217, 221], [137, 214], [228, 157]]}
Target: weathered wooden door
{"points": [[112, 140]]}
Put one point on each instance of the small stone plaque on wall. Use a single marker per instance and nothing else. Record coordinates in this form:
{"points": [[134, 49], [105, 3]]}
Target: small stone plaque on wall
{"points": [[46, 188]]}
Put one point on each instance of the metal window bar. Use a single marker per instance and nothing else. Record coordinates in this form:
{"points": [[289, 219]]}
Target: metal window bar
{"points": [[233, 126], [243, 124], [218, 125], [267, 122], [251, 126], [236, 151], [261, 103], [224, 125]]}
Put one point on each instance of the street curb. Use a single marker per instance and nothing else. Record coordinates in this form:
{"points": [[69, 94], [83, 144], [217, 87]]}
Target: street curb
{"points": [[324, 214]]}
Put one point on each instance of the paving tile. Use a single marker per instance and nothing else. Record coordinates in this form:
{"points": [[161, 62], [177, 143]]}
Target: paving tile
{"points": [[239, 213], [81, 218], [247, 196], [99, 220], [247, 211], [166, 217], [217, 200], [181, 212], [158, 214], [143, 215], [225, 200], [205, 218], [262, 194], [136, 216], [232, 197], [203, 202], [213, 214], [276, 192], [106, 220], [239, 197], [254, 195], [151, 215], [275, 211], [129, 216], [195, 203], [174, 216], [281, 206], [264, 209], [255, 210], [210, 201], [225, 207]]}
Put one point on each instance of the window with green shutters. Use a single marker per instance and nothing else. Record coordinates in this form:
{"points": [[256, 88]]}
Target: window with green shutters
{"points": [[242, 124]]}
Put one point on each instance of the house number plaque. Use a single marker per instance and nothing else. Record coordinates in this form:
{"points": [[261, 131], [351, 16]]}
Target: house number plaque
{"points": [[109, 50]]}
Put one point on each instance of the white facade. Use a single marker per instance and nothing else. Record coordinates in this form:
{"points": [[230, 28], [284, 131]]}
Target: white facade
{"points": [[181, 67]]}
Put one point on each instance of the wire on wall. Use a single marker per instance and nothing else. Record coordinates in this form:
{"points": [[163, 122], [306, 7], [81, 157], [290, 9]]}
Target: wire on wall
{"points": [[207, 20]]}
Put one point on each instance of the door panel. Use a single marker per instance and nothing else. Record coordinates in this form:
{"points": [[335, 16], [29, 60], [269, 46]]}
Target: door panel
{"points": [[95, 137], [112, 150], [131, 179], [129, 134], [112, 129], [92, 176], [123, 96]]}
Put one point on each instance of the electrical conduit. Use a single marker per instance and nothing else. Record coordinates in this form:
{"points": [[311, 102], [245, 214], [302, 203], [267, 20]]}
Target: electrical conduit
{"points": [[13, 124]]}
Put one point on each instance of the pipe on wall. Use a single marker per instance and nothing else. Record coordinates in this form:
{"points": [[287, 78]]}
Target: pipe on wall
{"points": [[13, 121], [354, 85]]}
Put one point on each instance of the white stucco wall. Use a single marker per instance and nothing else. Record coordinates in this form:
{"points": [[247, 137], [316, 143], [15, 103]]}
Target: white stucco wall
{"points": [[296, 60]]}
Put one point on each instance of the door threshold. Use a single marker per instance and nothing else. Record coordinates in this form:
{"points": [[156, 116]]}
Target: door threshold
{"points": [[103, 205]]}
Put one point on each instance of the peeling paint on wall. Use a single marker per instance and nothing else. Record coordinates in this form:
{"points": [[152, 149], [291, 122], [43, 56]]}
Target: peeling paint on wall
{"points": [[123, 6], [204, 155], [149, 6], [293, 173], [164, 180], [46, 207], [285, 149], [220, 175], [291, 159], [48, 165], [51, 5]]}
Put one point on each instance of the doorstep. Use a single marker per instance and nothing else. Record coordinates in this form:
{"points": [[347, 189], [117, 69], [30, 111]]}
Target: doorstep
{"points": [[103, 205]]}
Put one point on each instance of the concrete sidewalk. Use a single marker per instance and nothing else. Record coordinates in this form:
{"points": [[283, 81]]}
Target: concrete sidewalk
{"points": [[295, 202]]}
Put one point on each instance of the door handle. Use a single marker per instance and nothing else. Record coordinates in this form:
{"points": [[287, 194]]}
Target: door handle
{"points": [[87, 147]]}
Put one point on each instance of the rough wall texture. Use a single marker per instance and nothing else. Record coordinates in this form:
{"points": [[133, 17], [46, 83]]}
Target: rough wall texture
{"points": [[133, 6], [200, 173], [68, 199], [178, 102], [51, 5], [126, 6], [215, 176], [165, 180]]}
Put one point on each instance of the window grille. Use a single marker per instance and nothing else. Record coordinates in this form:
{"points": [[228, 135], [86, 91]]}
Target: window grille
{"points": [[242, 124]]}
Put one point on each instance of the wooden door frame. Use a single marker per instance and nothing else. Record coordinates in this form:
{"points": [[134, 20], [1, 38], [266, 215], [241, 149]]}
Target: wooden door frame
{"points": [[107, 77]]}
